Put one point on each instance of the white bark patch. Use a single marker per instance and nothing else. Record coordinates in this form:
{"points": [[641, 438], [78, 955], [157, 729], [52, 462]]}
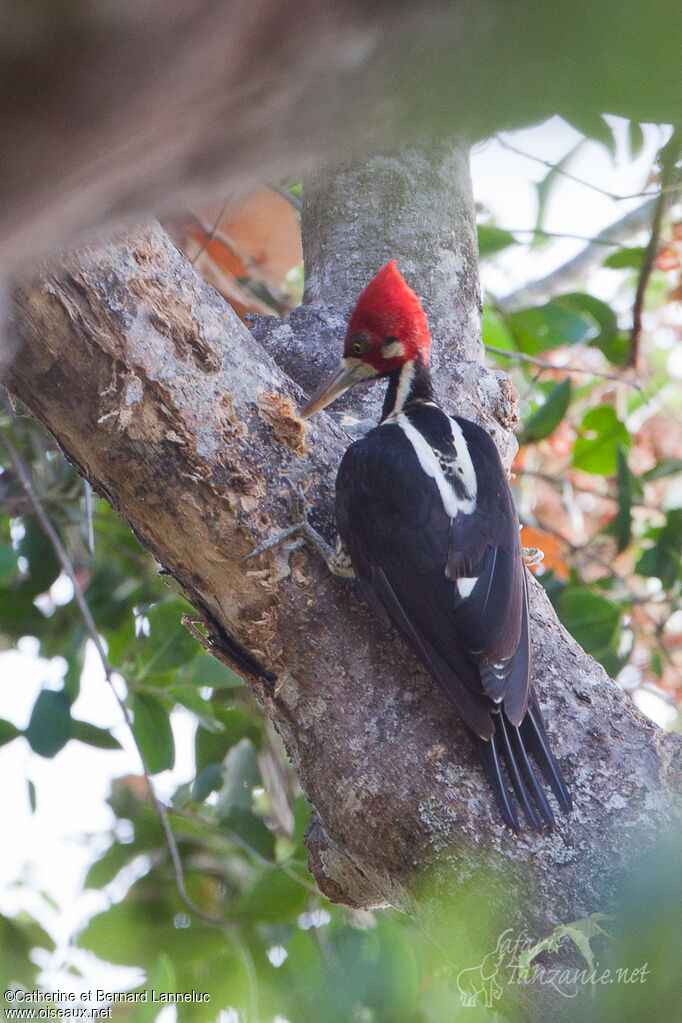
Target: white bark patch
{"points": [[134, 391]]}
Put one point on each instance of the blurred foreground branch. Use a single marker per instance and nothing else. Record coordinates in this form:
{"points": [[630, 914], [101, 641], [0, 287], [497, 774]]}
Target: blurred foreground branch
{"points": [[108, 111]]}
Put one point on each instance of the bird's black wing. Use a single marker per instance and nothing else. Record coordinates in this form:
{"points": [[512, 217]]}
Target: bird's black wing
{"points": [[411, 558]]}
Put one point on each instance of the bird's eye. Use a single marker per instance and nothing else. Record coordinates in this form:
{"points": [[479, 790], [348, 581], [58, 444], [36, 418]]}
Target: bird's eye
{"points": [[359, 344]]}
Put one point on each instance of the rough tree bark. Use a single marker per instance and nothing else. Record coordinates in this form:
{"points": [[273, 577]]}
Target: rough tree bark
{"points": [[184, 422]]}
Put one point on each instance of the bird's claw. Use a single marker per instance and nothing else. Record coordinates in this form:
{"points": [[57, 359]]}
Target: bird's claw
{"points": [[300, 525], [532, 555]]}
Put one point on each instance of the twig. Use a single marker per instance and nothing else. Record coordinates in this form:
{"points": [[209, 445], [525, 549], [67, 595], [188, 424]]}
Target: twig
{"points": [[560, 234], [237, 840], [210, 234], [216, 234], [567, 174], [90, 529], [24, 476], [577, 266], [523, 357], [276, 300], [587, 550], [668, 156], [287, 194]]}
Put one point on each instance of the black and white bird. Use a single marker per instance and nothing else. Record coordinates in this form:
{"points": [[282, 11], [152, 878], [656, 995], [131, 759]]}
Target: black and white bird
{"points": [[427, 521]]}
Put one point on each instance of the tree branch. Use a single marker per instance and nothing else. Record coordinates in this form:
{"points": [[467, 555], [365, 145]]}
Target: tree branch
{"points": [[169, 407], [667, 157], [574, 269], [545, 364]]}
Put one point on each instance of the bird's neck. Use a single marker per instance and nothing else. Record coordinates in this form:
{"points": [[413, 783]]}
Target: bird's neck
{"points": [[411, 383]]}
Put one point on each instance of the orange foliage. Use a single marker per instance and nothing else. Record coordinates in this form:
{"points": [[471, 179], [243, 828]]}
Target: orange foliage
{"points": [[554, 550], [254, 238]]}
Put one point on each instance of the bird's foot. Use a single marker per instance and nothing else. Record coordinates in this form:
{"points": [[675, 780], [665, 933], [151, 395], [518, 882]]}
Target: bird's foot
{"points": [[337, 561], [532, 555]]}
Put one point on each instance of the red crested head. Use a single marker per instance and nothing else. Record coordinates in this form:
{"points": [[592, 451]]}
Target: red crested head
{"points": [[388, 326], [387, 330]]}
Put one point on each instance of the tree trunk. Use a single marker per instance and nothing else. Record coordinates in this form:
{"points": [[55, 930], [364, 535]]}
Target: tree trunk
{"points": [[173, 411]]}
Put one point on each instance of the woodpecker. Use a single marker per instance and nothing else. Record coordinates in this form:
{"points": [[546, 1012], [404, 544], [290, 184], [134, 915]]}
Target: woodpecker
{"points": [[427, 525]]}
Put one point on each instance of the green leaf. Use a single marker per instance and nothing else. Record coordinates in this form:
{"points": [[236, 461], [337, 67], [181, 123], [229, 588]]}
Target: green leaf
{"points": [[241, 775], [251, 832], [18, 937], [93, 735], [548, 416], [544, 189], [240, 722], [131, 932], [207, 781], [662, 560], [497, 334], [627, 258], [275, 898], [8, 564], [122, 641], [105, 869], [153, 732], [621, 524], [602, 436], [187, 696], [110, 594], [540, 328], [635, 139], [50, 726], [44, 566], [32, 802], [492, 239], [8, 731], [590, 618], [303, 815], [206, 670], [125, 933], [601, 313], [18, 614], [74, 652], [580, 933], [162, 979], [668, 467], [594, 127], [169, 644], [617, 350]]}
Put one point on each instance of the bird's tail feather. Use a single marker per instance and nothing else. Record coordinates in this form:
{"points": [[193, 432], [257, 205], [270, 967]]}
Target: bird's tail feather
{"points": [[511, 746], [489, 756], [535, 739]]}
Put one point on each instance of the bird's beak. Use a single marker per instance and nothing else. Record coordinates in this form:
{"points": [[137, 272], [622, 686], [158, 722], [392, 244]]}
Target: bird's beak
{"points": [[347, 373]]}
